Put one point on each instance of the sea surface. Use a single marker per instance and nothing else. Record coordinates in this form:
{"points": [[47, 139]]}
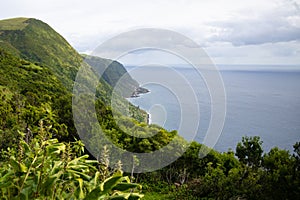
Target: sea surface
{"points": [[260, 101]]}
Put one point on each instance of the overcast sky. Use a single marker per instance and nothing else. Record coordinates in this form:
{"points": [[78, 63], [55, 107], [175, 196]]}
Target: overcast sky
{"points": [[231, 31]]}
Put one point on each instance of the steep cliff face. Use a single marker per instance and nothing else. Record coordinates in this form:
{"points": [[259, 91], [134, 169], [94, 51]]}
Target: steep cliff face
{"points": [[115, 74]]}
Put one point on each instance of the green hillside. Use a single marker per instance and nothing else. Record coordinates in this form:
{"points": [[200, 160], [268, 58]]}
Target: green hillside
{"points": [[25, 87], [39, 67], [113, 74], [13, 24], [37, 42]]}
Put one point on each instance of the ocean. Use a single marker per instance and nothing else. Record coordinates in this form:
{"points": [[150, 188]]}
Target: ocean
{"points": [[260, 101]]}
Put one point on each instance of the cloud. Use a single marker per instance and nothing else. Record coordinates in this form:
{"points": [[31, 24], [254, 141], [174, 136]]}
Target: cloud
{"points": [[281, 24], [268, 53], [213, 23]]}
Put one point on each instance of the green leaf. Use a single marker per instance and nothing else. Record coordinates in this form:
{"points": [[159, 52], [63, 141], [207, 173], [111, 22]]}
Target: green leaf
{"points": [[25, 146], [79, 174], [50, 183], [26, 192], [94, 181], [125, 186], [111, 182], [6, 177], [23, 168], [104, 188], [14, 164], [127, 196], [134, 196], [56, 148], [74, 161], [5, 184], [81, 194], [120, 196], [94, 194]]}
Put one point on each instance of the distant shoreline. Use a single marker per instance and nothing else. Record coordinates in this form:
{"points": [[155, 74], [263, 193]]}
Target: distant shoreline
{"points": [[140, 90], [136, 94]]}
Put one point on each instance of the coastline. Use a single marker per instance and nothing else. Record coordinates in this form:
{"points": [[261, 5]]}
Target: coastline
{"points": [[138, 91]]}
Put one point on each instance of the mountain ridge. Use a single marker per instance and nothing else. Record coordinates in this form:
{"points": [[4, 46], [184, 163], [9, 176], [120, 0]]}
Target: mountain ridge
{"points": [[33, 40], [33, 55]]}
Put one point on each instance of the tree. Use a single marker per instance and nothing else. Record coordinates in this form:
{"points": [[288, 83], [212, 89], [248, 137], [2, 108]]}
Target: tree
{"points": [[249, 151], [280, 182], [297, 155]]}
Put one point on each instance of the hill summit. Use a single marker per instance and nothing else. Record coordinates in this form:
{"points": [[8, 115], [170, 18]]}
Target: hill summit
{"points": [[36, 41]]}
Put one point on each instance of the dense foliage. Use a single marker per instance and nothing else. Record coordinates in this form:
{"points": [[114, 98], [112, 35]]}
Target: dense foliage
{"points": [[115, 75], [273, 175], [44, 168]]}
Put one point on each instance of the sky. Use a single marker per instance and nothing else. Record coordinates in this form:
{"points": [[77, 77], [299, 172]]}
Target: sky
{"points": [[231, 32]]}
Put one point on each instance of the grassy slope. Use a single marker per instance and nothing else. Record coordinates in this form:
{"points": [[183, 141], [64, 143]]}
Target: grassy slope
{"points": [[113, 73], [23, 76], [35, 41], [37, 61], [13, 24]]}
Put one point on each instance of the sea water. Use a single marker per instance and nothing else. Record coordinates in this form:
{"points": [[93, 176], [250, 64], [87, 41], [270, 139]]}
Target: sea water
{"points": [[260, 101]]}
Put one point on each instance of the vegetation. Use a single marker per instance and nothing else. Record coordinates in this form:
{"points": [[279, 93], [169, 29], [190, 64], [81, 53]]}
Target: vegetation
{"points": [[13, 24], [38, 43], [224, 176], [112, 74], [44, 168], [42, 156]]}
